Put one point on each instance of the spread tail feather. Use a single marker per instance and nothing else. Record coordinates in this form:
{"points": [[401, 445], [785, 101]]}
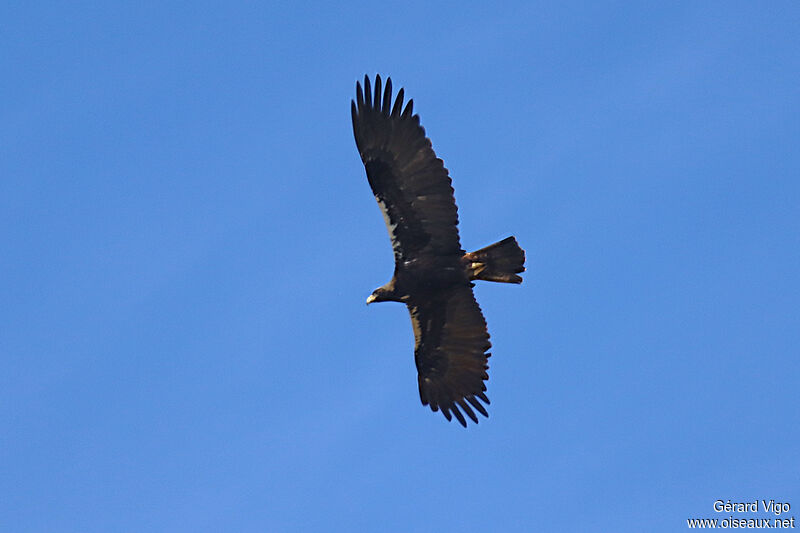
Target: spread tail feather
{"points": [[501, 261]]}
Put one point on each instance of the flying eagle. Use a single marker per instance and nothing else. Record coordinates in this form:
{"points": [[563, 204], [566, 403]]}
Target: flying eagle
{"points": [[432, 273]]}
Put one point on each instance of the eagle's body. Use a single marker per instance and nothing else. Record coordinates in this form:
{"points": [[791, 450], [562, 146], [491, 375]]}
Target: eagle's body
{"points": [[414, 277], [433, 275]]}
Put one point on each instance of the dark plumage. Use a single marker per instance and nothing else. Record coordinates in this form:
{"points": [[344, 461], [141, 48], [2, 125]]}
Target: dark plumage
{"points": [[433, 275]]}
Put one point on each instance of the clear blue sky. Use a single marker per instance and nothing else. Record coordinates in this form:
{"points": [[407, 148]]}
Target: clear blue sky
{"points": [[187, 239]]}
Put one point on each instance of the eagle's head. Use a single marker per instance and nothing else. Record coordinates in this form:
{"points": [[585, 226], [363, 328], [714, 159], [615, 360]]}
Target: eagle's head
{"points": [[378, 295], [386, 293]]}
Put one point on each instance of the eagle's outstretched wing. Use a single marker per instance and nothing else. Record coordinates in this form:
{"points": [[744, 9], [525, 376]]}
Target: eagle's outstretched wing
{"points": [[450, 352], [410, 183]]}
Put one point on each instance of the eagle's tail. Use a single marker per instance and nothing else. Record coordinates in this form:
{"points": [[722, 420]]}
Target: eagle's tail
{"points": [[501, 261]]}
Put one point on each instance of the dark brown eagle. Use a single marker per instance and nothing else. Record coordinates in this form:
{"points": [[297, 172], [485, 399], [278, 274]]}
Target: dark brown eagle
{"points": [[432, 273]]}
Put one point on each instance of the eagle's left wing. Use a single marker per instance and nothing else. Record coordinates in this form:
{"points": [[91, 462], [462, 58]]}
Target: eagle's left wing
{"points": [[411, 184], [450, 352]]}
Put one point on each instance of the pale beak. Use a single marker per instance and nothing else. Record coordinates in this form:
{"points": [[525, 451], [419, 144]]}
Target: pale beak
{"points": [[371, 298]]}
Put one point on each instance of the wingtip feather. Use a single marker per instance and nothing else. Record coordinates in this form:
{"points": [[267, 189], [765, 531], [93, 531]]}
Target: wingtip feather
{"points": [[466, 408], [359, 96], [387, 98], [459, 416], [398, 103], [409, 110], [378, 90], [477, 405]]}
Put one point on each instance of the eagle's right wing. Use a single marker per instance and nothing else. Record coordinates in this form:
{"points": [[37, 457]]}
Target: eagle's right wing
{"points": [[410, 183], [450, 352]]}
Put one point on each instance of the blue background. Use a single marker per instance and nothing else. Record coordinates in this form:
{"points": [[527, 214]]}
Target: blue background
{"points": [[187, 239]]}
